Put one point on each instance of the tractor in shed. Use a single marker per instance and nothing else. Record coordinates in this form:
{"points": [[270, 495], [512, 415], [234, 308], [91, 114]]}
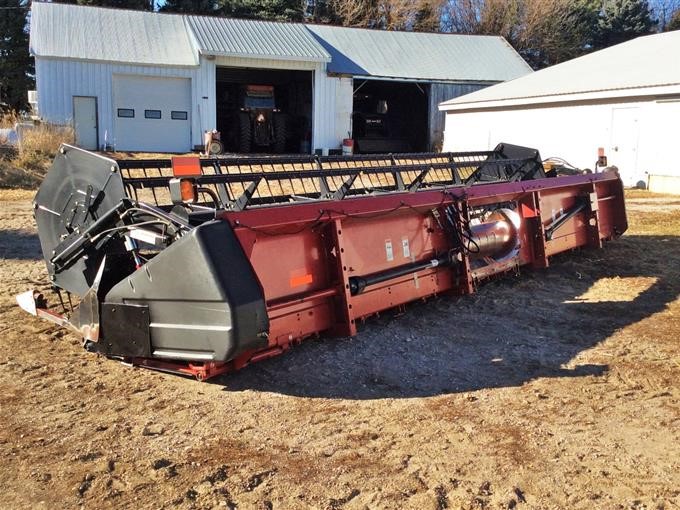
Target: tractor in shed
{"points": [[261, 124]]}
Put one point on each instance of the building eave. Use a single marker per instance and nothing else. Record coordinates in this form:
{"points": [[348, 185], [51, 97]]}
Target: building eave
{"points": [[118, 62], [537, 101], [416, 80], [285, 58]]}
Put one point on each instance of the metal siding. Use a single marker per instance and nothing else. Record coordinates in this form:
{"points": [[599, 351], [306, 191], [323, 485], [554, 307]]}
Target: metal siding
{"points": [[332, 118], [344, 104], [58, 80], [113, 35], [261, 63], [204, 97], [645, 62], [417, 55], [440, 92], [573, 132], [143, 92], [255, 39]]}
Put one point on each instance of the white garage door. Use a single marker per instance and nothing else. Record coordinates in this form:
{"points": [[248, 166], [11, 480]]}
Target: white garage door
{"points": [[152, 114]]}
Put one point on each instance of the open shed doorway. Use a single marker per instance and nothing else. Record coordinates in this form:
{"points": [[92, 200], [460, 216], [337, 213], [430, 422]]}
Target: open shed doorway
{"points": [[390, 116], [264, 110]]}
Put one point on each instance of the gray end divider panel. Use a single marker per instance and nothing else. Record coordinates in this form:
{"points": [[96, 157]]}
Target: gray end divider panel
{"points": [[204, 299]]}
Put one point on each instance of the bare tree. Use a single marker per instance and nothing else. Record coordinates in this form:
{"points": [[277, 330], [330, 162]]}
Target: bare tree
{"points": [[556, 30], [666, 11], [544, 32], [354, 13], [387, 14], [410, 15], [462, 16]]}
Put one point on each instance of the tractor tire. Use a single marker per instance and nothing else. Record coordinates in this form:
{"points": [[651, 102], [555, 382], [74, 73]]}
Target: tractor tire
{"points": [[245, 134], [280, 133]]}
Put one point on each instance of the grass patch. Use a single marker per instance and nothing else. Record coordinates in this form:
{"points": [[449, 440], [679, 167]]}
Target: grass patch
{"points": [[643, 193], [654, 223], [26, 166]]}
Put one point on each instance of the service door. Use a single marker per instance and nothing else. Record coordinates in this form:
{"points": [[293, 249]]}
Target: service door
{"points": [[152, 114], [624, 145], [85, 122]]}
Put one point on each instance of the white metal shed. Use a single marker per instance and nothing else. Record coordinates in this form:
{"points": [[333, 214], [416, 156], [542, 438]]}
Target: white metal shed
{"points": [[143, 81], [118, 87], [625, 99]]}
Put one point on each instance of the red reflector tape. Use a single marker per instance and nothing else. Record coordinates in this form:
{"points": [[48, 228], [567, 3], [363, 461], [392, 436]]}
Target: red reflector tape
{"points": [[528, 212], [186, 165], [305, 279]]}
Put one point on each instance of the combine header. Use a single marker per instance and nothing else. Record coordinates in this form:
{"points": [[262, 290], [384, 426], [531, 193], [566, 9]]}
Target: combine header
{"points": [[200, 266]]}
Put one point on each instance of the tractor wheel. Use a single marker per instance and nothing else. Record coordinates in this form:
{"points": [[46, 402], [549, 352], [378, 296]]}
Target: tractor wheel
{"points": [[245, 138], [280, 133]]}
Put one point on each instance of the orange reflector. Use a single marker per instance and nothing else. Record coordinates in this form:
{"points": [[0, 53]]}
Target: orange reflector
{"points": [[187, 190], [528, 212], [186, 165], [601, 158], [305, 279]]}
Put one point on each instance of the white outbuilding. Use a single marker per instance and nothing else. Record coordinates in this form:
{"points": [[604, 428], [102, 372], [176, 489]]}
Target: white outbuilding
{"points": [[624, 99], [144, 81]]}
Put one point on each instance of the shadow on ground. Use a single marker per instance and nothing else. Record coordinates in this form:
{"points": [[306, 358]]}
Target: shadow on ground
{"points": [[19, 245], [513, 330]]}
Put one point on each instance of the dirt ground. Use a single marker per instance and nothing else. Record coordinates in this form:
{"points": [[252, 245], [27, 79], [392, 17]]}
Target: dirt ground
{"points": [[556, 389]]}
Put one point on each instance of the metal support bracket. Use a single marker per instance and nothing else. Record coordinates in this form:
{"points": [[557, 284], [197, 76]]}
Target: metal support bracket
{"points": [[324, 190], [242, 202], [397, 175], [222, 190], [554, 225], [342, 190], [418, 181]]}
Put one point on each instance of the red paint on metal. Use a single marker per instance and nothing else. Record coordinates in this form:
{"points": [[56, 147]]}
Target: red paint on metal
{"points": [[304, 254], [303, 279], [186, 166], [200, 371]]}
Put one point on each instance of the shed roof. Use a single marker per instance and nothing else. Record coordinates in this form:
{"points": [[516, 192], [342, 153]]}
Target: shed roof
{"points": [[146, 38], [418, 55], [256, 39], [114, 35], [649, 63]]}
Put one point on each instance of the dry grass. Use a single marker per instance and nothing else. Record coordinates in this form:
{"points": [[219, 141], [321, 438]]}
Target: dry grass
{"points": [[17, 194], [652, 214], [643, 193], [8, 120], [39, 144], [650, 223]]}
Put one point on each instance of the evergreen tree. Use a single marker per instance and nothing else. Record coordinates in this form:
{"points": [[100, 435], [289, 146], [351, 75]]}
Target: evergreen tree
{"points": [[622, 20], [139, 5], [275, 10], [564, 30], [321, 11], [190, 6], [16, 65]]}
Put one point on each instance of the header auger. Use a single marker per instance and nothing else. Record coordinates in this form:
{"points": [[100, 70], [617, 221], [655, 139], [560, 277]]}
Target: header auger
{"points": [[200, 266]]}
